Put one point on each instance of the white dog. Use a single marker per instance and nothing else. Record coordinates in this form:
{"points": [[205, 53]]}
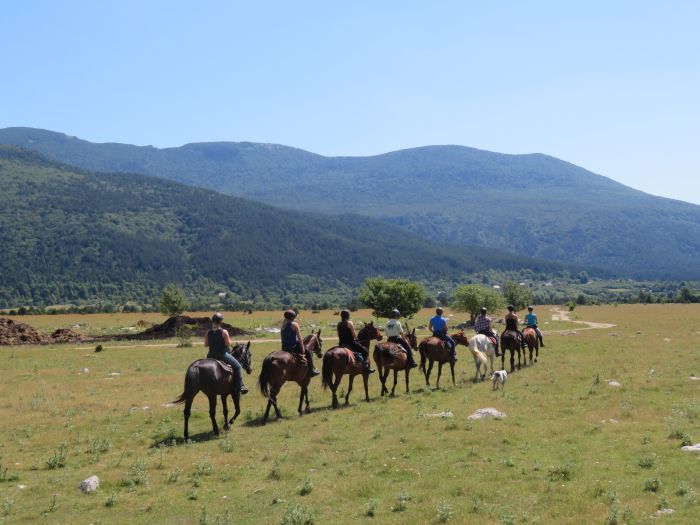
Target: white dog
{"points": [[499, 377]]}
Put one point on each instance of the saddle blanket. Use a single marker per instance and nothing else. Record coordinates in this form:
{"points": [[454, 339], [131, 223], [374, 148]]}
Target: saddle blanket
{"points": [[493, 340], [354, 357], [225, 366]]}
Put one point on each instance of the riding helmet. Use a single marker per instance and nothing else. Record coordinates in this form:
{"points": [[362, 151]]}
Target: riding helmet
{"points": [[345, 314], [529, 308], [483, 310], [438, 311], [290, 314], [395, 313], [217, 318]]}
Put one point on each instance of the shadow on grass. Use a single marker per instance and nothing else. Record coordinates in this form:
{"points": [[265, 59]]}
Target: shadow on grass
{"points": [[202, 437]]}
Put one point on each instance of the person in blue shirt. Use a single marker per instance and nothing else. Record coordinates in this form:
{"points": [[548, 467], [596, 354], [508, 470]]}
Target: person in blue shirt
{"points": [[531, 322], [438, 325]]}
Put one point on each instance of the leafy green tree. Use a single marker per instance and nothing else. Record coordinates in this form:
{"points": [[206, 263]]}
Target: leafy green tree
{"points": [[383, 295], [471, 297], [173, 301], [518, 296]]}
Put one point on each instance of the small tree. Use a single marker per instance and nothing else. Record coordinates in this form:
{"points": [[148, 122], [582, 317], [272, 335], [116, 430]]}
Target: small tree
{"points": [[471, 297], [173, 301], [383, 295], [517, 295]]}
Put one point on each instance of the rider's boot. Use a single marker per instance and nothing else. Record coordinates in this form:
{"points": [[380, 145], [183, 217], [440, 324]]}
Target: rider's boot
{"points": [[368, 365], [411, 362], [310, 360], [541, 341], [453, 354]]}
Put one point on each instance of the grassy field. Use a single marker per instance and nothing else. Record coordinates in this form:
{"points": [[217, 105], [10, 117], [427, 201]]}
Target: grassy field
{"points": [[572, 450]]}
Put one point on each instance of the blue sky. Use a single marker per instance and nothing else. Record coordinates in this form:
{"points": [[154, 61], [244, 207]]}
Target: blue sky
{"points": [[612, 86]]}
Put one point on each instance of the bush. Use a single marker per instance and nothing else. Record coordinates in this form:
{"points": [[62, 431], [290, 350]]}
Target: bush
{"points": [[173, 301], [471, 297], [383, 295]]}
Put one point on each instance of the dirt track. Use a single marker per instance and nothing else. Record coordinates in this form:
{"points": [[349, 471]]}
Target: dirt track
{"points": [[563, 315]]}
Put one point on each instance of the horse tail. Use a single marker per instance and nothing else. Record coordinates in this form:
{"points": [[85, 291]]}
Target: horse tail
{"points": [[327, 370], [191, 384], [421, 351], [377, 358], [263, 382]]}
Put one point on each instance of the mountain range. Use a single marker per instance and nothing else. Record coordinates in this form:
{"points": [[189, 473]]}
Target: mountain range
{"points": [[70, 235], [529, 205]]}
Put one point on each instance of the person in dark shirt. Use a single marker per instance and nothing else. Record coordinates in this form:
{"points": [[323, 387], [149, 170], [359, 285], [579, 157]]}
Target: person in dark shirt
{"points": [[348, 338], [293, 342], [218, 341]]}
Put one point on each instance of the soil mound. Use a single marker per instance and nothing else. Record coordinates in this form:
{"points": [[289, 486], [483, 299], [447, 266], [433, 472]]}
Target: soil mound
{"points": [[169, 328], [66, 335], [12, 333]]}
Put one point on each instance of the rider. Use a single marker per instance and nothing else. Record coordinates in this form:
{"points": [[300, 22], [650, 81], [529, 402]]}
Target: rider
{"points": [[394, 333], [483, 325], [293, 342], [531, 322], [512, 324], [348, 338], [438, 325], [219, 343]]}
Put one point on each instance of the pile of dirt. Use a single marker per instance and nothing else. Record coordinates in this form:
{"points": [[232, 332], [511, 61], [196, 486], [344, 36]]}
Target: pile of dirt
{"points": [[66, 335], [12, 333], [169, 328]]}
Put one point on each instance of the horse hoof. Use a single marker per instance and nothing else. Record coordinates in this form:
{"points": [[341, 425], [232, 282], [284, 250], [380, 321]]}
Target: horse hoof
{"points": [[227, 428]]}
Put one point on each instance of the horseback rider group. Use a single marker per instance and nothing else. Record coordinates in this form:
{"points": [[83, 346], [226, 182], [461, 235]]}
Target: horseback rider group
{"points": [[218, 340]]}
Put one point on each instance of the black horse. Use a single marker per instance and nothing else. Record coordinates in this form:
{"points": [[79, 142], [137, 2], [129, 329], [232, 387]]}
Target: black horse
{"points": [[211, 378]]}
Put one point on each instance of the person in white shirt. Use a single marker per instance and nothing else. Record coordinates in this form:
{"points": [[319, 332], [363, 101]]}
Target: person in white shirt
{"points": [[395, 334]]}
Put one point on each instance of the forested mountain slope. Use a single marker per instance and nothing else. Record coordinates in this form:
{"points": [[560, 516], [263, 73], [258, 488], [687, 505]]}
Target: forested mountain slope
{"points": [[533, 205], [71, 235]]}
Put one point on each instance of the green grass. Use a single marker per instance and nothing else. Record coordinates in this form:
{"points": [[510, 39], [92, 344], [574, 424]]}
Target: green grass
{"points": [[556, 458]]}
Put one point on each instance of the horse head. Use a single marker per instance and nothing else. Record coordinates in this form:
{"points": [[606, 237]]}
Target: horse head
{"points": [[243, 355], [369, 332], [460, 338], [314, 343], [412, 339]]}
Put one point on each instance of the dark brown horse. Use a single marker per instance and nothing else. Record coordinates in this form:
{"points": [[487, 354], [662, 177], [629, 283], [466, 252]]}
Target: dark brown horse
{"points": [[210, 377], [280, 367], [532, 343], [391, 356], [339, 361], [510, 341], [434, 350]]}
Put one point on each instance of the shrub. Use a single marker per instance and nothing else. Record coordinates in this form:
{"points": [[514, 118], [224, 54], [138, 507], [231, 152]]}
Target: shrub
{"points": [[444, 511], [652, 484], [297, 515]]}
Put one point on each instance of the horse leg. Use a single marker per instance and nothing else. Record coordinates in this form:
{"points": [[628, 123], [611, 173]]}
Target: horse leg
{"points": [[307, 408], [212, 414], [273, 397], [188, 409], [365, 378], [430, 370], [396, 377], [347, 396], [512, 360], [224, 404], [301, 400], [537, 352], [334, 389], [437, 383], [267, 410], [385, 390], [236, 405], [408, 371], [452, 371], [503, 357]]}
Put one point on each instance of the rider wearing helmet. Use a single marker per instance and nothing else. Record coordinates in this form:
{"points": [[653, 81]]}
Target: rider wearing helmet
{"points": [[395, 334], [531, 322], [293, 342], [219, 343], [512, 324], [483, 325], [438, 325], [348, 338]]}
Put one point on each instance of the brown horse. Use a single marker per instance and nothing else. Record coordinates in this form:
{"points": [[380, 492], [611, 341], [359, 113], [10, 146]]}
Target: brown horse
{"points": [[339, 361], [510, 341], [280, 367], [391, 356], [532, 343], [211, 378], [434, 350]]}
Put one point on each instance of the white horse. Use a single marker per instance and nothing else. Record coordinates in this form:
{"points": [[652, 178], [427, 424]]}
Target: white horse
{"points": [[482, 344], [479, 361]]}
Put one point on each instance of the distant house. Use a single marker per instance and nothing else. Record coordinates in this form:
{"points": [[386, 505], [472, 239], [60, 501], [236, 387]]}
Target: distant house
{"points": [[222, 295]]}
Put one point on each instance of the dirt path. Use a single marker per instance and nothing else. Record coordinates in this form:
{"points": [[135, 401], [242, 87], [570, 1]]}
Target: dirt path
{"points": [[563, 315]]}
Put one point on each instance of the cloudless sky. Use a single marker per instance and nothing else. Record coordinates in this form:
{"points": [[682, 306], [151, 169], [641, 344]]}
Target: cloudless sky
{"points": [[613, 86]]}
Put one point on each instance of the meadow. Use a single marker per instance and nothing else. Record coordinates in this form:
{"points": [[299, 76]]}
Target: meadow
{"points": [[572, 449]]}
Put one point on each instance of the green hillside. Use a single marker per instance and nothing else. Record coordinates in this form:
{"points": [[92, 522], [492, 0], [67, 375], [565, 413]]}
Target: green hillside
{"points": [[533, 205], [72, 235]]}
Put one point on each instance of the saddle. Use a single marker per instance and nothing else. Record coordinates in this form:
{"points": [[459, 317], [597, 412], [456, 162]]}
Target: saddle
{"points": [[354, 357], [493, 340], [392, 349], [227, 368]]}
